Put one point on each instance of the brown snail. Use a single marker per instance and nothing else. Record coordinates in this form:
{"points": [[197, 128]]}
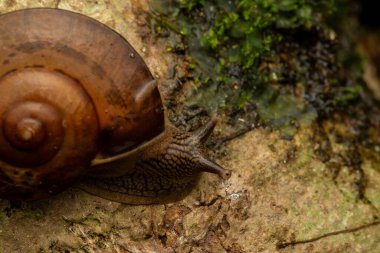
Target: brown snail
{"points": [[76, 99]]}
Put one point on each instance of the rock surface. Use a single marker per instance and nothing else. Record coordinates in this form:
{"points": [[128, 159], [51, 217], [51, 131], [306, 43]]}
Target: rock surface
{"points": [[279, 191]]}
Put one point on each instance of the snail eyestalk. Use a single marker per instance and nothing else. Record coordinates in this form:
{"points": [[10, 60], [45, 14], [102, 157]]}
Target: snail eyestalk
{"points": [[201, 135], [193, 150], [204, 132], [209, 166]]}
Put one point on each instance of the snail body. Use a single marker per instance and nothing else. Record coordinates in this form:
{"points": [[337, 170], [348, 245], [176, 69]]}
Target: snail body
{"points": [[78, 103]]}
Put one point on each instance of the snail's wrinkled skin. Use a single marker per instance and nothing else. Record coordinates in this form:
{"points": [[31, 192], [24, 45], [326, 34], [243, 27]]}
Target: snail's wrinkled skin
{"points": [[76, 106], [157, 172]]}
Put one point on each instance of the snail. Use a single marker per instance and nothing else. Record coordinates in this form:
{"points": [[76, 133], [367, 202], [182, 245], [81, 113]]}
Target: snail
{"points": [[79, 104]]}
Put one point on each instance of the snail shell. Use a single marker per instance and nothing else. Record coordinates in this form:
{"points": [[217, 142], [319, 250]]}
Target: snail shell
{"points": [[71, 89]]}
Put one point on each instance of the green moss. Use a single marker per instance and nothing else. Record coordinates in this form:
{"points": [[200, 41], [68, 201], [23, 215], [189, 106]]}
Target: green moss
{"points": [[347, 95], [231, 48], [284, 112], [235, 33]]}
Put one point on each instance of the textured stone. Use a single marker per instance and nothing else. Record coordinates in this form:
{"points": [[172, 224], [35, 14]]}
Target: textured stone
{"points": [[279, 191]]}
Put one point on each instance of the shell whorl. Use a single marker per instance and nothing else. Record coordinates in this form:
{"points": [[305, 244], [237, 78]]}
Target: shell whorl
{"points": [[122, 89], [69, 92], [40, 129]]}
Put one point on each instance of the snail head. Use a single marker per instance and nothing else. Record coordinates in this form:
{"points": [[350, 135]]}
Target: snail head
{"points": [[188, 153]]}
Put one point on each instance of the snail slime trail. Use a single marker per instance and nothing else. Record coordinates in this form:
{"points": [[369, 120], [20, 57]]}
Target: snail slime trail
{"points": [[70, 116]]}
